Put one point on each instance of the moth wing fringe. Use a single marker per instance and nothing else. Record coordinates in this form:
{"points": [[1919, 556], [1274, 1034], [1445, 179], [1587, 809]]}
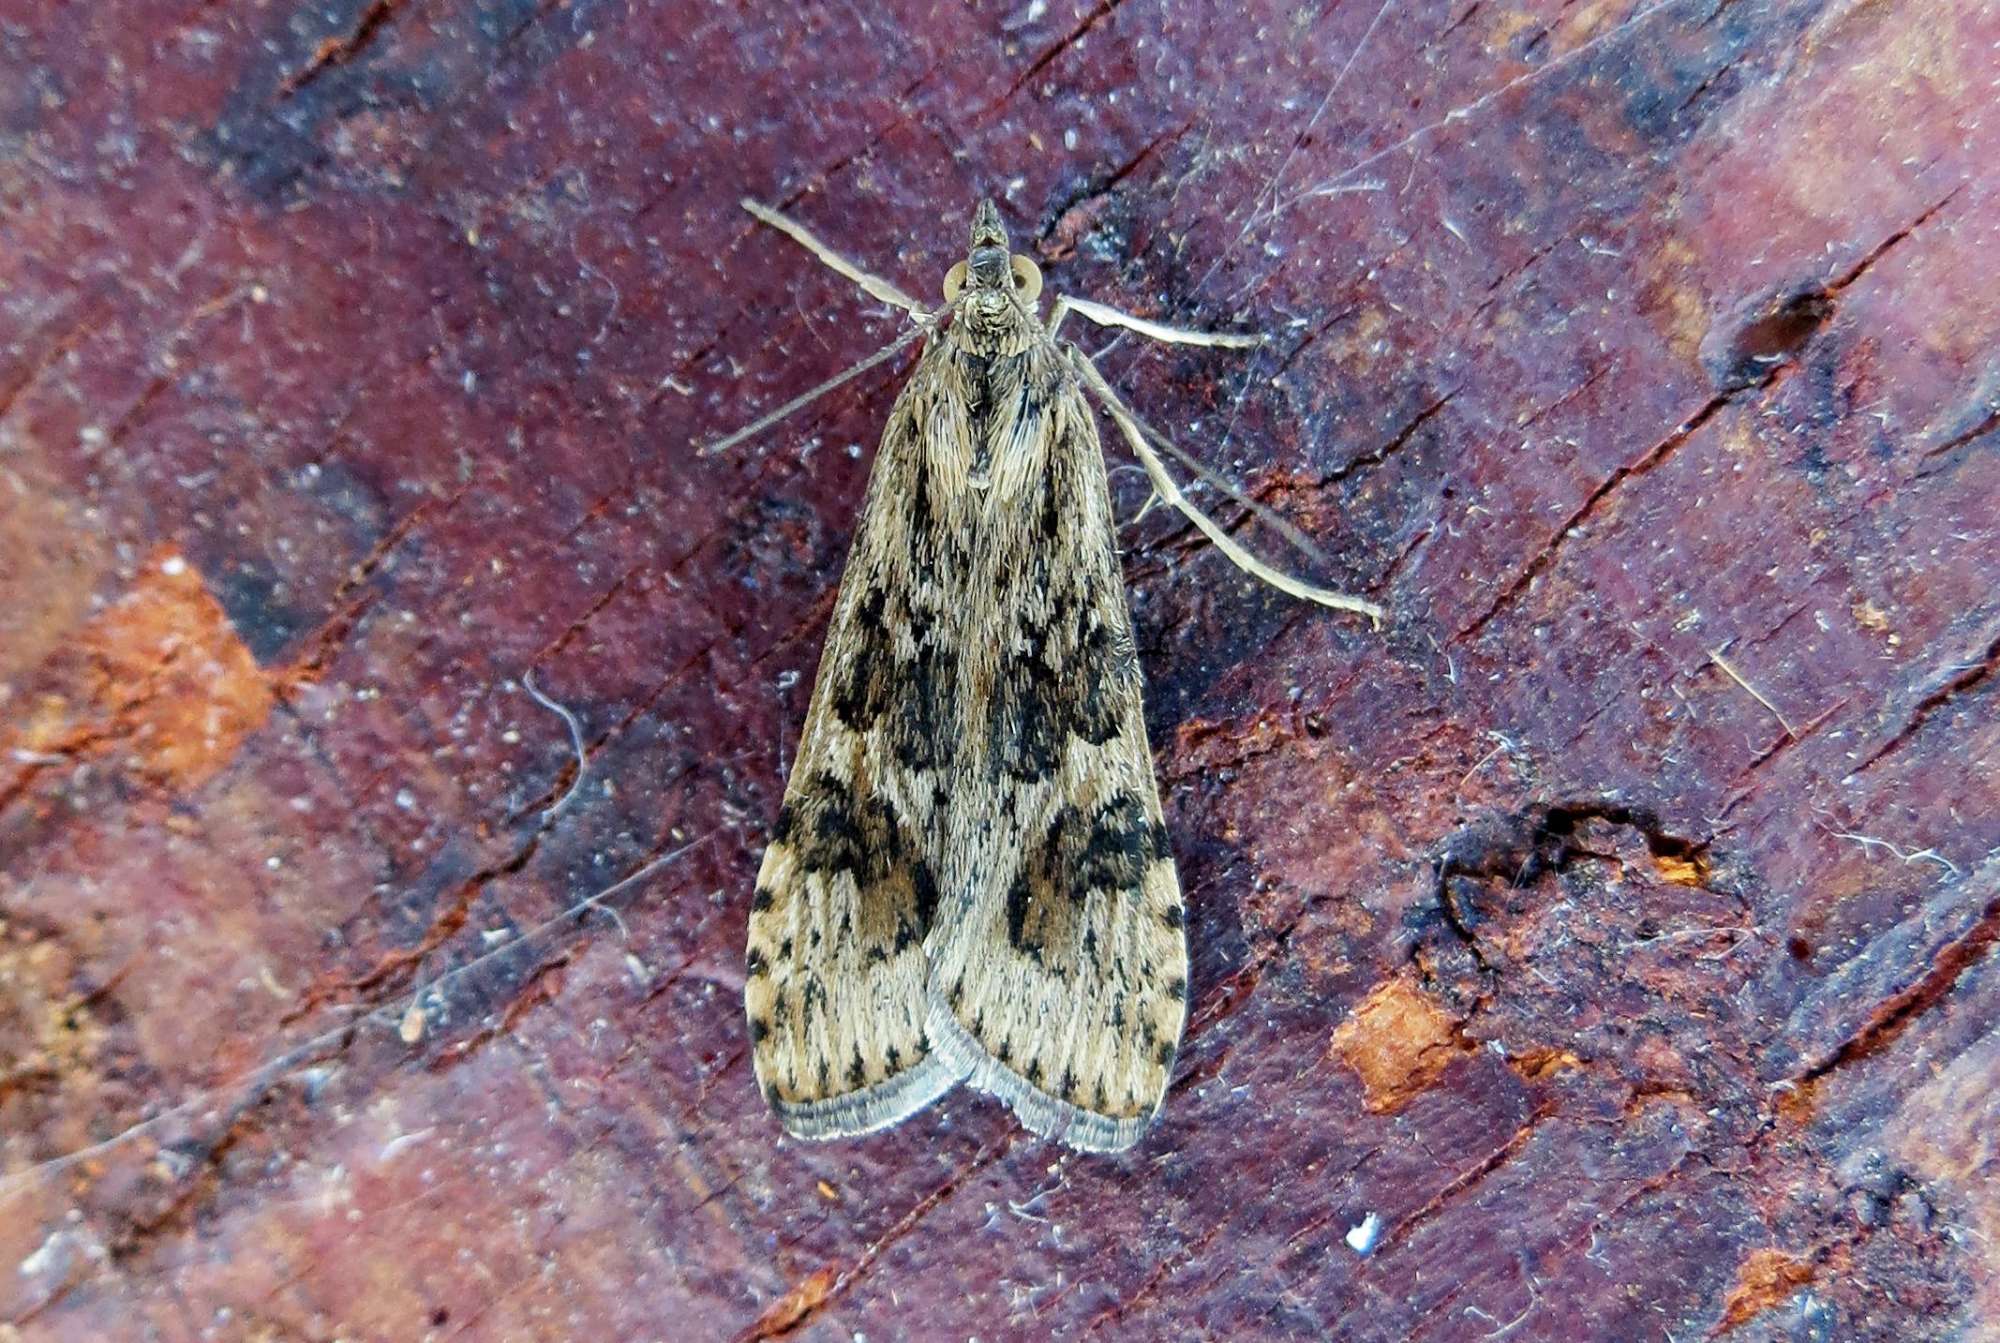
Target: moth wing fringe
{"points": [[878, 1107], [1038, 1111]]}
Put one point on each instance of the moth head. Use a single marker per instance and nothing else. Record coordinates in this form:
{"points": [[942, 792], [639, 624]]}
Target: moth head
{"points": [[990, 275]]}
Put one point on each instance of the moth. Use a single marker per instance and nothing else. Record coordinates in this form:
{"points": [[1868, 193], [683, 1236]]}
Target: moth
{"points": [[970, 878]]}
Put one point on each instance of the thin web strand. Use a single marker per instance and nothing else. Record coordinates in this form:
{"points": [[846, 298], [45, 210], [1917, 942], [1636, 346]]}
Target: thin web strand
{"points": [[390, 1012], [1333, 184], [1270, 187], [1340, 181]]}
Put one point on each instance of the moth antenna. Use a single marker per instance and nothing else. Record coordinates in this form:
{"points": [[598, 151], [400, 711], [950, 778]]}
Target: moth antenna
{"points": [[1171, 492], [876, 287], [1105, 315]]}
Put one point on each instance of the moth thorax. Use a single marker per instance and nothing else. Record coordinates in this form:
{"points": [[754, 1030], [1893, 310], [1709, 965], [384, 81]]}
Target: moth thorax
{"points": [[990, 268]]}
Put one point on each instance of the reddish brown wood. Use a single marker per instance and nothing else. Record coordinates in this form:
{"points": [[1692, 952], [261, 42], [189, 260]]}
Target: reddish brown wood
{"points": [[1616, 927]]}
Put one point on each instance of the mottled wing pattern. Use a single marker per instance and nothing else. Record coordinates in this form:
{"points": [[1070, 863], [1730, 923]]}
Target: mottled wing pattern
{"points": [[836, 972], [970, 876], [1059, 976]]}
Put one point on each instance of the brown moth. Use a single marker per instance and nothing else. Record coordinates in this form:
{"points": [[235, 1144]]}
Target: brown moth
{"points": [[970, 878]]}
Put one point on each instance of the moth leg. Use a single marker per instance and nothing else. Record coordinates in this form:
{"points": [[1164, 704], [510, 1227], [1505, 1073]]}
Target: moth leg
{"points": [[1172, 335], [1163, 484], [874, 285], [806, 398]]}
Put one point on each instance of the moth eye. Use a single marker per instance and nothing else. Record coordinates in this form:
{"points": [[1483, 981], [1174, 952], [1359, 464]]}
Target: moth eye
{"points": [[954, 280], [1027, 278]]}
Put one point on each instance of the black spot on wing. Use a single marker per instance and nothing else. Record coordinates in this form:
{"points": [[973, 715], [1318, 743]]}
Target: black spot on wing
{"points": [[812, 1002], [912, 697], [923, 513], [924, 725], [1023, 900], [1107, 680], [832, 831], [1052, 513], [1068, 675], [977, 370], [1110, 849], [1027, 731], [861, 687], [926, 892], [1118, 849]]}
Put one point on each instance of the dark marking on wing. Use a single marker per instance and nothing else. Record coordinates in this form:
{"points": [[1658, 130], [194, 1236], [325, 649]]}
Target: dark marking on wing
{"points": [[861, 694], [1111, 850], [923, 514], [913, 699], [1070, 676], [832, 832], [1026, 732], [1108, 674], [812, 1001], [924, 887], [925, 721], [978, 373], [1120, 846], [1050, 516]]}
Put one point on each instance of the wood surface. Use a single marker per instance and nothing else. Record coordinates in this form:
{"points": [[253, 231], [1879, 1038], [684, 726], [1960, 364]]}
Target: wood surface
{"points": [[1605, 947]]}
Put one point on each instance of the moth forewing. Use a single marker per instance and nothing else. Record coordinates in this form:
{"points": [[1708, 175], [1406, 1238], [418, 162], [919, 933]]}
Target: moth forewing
{"points": [[970, 877], [1058, 979]]}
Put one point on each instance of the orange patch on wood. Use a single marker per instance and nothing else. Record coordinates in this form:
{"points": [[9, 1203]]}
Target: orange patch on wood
{"points": [[159, 677], [1764, 1280], [1681, 871], [1202, 745], [1536, 1064], [1397, 1040], [791, 1309], [1799, 1103], [1677, 305]]}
